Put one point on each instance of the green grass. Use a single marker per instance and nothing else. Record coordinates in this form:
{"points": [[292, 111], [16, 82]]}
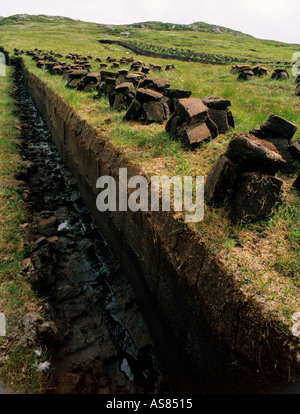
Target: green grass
{"points": [[235, 45], [11, 213], [16, 295], [20, 371]]}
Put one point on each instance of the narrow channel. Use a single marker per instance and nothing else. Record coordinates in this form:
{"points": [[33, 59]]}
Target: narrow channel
{"points": [[102, 343]]}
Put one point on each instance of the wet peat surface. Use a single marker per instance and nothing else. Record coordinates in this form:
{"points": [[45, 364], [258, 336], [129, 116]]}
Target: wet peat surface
{"points": [[100, 343]]}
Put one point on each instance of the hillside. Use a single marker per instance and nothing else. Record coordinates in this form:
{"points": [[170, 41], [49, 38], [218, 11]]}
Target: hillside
{"points": [[196, 27], [27, 18], [219, 44], [202, 39]]}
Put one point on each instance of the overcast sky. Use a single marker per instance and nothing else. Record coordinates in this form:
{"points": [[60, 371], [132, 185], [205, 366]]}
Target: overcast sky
{"points": [[265, 19]]}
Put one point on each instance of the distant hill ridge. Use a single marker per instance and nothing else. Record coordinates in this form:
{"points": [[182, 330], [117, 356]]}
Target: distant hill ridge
{"points": [[196, 26], [115, 29], [23, 18], [154, 25]]}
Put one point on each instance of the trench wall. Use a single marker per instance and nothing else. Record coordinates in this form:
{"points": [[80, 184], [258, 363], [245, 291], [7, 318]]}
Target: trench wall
{"points": [[183, 289]]}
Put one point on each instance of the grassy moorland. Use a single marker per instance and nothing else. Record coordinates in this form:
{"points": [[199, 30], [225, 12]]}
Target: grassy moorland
{"points": [[264, 257], [203, 42], [199, 38]]}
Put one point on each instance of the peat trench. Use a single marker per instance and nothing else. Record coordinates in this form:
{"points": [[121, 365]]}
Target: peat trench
{"points": [[97, 336], [99, 342]]}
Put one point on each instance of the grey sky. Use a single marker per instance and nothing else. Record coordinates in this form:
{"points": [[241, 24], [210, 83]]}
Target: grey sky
{"points": [[265, 19]]}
